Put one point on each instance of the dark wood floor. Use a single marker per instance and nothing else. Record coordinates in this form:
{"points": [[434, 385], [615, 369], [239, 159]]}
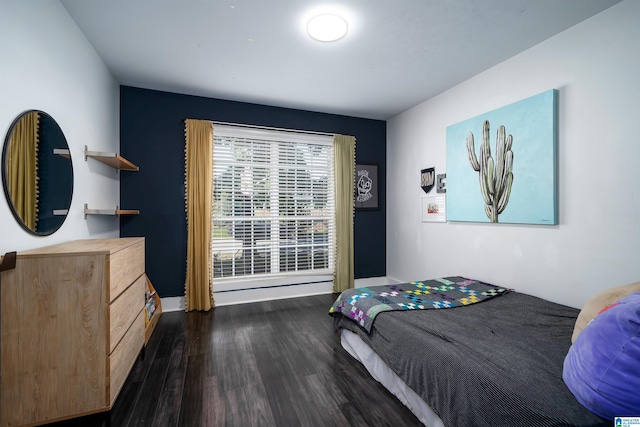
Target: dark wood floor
{"points": [[275, 363]]}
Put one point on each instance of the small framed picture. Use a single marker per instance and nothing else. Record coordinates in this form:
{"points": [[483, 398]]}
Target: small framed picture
{"points": [[433, 209], [366, 187]]}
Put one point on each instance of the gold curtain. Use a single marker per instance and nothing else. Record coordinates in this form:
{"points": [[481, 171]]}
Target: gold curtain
{"points": [[344, 153], [199, 187], [22, 168]]}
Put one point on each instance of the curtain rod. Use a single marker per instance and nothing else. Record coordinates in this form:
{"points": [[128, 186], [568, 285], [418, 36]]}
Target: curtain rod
{"points": [[310, 132]]}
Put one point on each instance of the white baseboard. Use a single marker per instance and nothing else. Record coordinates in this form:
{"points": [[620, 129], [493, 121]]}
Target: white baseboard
{"points": [[392, 280], [266, 294], [373, 281], [172, 304]]}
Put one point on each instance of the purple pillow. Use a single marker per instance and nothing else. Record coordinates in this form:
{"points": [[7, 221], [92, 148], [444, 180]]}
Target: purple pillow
{"points": [[602, 367]]}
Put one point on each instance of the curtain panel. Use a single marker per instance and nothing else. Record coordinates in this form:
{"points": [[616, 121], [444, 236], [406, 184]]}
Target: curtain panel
{"points": [[345, 153], [199, 189], [22, 168]]}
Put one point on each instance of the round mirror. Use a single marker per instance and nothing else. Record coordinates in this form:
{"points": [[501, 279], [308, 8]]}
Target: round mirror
{"points": [[37, 174]]}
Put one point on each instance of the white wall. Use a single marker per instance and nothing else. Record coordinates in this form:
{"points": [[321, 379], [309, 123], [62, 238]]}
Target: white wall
{"points": [[596, 245], [47, 64]]}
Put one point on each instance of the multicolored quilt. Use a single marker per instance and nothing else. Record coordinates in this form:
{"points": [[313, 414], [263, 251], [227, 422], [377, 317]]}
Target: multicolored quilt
{"points": [[364, 304]]}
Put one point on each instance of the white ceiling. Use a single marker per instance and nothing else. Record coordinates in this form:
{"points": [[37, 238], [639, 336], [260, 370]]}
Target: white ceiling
{"points": [[397, 53]]}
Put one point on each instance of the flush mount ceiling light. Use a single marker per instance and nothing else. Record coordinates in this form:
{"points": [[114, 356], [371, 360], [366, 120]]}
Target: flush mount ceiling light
{"points": [[327, 27]]}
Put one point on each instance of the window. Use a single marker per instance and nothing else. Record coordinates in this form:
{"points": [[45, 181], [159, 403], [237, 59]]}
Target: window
{"points": [[273, 203]]}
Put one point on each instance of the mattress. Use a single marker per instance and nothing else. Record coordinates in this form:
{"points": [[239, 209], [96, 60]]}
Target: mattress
{"points": [[498, 362], [381, 372]]}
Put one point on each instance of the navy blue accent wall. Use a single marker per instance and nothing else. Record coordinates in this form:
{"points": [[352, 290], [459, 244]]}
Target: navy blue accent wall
{"points": [[152, 137]]}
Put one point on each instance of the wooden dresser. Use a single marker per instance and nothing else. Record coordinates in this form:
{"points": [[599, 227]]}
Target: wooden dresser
{"points": [[72, 325]]}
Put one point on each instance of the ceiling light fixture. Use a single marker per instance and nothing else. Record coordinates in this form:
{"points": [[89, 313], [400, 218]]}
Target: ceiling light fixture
{"points": [[327, 27]]}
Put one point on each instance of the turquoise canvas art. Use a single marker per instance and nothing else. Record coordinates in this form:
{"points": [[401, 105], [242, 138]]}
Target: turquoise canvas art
{"points": [[502, 165]]}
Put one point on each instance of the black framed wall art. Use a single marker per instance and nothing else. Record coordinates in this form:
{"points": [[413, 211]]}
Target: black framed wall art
{"points": [[366, 186]]}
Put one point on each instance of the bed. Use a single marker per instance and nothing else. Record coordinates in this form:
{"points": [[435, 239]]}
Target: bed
{"points": [[494, 362]]}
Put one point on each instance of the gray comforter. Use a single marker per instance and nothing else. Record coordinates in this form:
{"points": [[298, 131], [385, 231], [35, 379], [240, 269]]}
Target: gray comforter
{"points": [[495, 363]]}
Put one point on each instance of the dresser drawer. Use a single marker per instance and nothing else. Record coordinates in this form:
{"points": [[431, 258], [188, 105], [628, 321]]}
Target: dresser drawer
{"points": [[72, 326], [125, 266], [124, 310], [124, 356]]}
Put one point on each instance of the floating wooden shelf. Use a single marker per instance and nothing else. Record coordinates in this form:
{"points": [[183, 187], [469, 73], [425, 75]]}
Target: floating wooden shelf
{"points": [[63, 152], [112, 212], [114, 160], [117, 162]]}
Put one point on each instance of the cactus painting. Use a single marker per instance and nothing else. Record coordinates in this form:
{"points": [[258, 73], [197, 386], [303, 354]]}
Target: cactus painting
{"points": [[496, 177], [502, 164]]}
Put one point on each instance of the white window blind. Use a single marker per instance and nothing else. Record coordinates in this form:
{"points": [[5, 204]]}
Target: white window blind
{"points": [[273, 203]]}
